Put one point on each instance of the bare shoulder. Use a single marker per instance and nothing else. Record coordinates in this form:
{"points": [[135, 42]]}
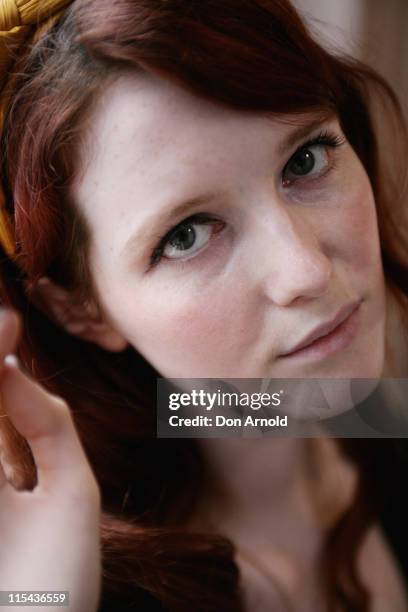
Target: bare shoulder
{"points": [[380, 572]]}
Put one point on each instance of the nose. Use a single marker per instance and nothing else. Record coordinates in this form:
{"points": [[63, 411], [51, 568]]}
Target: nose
{"points": [[293, 264]]}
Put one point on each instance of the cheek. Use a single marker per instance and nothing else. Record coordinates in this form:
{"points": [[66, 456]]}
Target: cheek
{"points": [[179, 334], [357, 229]]}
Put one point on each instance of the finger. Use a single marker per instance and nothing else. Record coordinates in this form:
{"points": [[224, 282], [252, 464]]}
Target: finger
{"points": [[4, 484], [44, 420], [10, 327]]}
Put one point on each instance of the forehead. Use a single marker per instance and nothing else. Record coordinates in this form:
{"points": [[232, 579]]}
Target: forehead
{"points": [[144, 126], [149, 109]]}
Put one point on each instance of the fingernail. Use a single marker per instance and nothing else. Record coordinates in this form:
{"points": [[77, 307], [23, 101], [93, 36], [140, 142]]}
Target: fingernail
{"points": [[11, 360]]}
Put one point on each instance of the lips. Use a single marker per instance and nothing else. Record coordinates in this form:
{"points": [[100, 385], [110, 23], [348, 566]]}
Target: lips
{"points": [[325, 328]]}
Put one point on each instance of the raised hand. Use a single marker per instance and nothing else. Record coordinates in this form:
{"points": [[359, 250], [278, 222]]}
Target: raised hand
{"points": [[49, 537]]}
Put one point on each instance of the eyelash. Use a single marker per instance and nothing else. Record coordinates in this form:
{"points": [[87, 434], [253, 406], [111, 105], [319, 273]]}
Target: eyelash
{"points": [[324, 138], [198, 218]]}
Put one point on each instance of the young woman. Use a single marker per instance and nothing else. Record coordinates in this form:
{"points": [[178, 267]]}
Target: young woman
{"points": [[190, 190]]}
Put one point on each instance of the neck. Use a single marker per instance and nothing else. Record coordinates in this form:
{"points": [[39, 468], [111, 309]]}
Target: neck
{"points": [[258, 491], [250, 480]]}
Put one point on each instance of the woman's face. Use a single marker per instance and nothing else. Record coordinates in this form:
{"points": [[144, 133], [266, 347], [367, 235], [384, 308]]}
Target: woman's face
{"points": [[279, 239]]}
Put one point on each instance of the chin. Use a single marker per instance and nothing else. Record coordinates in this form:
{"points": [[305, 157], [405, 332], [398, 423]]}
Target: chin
{"points": [[319, 399], [327, 389]]}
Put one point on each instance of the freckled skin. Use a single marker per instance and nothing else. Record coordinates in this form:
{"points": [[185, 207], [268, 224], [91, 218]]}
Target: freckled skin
{"points": [[287, 259]]}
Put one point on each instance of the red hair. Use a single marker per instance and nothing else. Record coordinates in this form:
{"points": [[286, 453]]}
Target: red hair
{"points": [[253, 55]]}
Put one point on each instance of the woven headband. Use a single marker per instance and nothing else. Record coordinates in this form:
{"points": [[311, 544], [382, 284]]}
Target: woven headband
{"points": [[21, 22]]}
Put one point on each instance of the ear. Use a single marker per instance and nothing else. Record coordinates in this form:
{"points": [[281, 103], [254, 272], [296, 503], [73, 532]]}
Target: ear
{"points": [[82, 319]]}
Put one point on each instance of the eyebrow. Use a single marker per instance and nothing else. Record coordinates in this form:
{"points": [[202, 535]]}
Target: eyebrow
{"points": [[137, 241]]}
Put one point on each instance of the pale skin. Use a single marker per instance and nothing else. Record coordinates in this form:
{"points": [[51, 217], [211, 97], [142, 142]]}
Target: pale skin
{"points": [[281, 255]]}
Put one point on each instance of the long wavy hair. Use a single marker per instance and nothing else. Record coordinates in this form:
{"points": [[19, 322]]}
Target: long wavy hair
{"points": [[251, 55]]}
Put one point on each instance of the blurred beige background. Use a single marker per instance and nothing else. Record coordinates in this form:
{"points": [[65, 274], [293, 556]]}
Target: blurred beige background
{"points": [[376, 31]]}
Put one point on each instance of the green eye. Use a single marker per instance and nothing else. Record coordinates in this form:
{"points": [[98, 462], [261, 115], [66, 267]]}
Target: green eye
{"points": [[311, 158], [188, 238], [307, 160]]}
